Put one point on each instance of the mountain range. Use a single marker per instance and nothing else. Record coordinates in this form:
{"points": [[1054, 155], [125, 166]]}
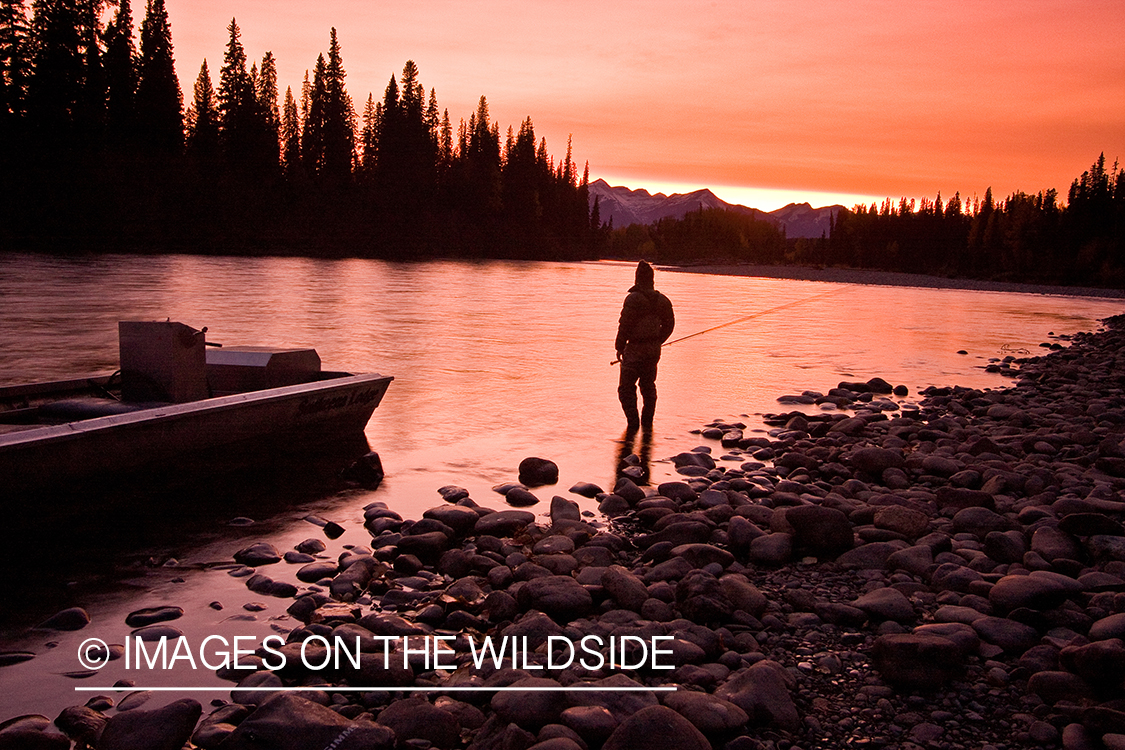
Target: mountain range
{"points": [[624, 207]]}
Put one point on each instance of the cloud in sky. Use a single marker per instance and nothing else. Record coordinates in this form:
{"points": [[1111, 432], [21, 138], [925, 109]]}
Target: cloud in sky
{"points": [[873, 97]]}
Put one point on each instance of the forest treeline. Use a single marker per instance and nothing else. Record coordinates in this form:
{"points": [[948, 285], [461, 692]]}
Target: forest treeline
{"points": [[705, 234], [1030, 238], [99, 150]]}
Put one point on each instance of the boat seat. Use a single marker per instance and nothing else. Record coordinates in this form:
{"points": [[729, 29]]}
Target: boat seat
{"points": [[73, 409]]}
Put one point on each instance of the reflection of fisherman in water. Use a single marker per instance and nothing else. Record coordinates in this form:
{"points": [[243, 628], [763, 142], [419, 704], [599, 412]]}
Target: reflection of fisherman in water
{"points": [[631, 461], [646, 323]]}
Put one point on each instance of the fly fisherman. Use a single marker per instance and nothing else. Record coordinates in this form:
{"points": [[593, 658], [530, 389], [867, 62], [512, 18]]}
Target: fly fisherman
{"points": [[646, 323]]}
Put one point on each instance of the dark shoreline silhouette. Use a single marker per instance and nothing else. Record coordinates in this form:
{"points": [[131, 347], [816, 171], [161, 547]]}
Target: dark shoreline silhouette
{"points": [[101, 151]]}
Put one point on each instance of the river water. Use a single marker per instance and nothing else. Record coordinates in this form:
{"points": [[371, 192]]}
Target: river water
{"points": [[493, 362]]}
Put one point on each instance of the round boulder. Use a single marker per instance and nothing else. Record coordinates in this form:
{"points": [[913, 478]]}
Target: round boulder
{"points": [[536, 472], [560, 597], [656, 728], [821, 530], [418, 719]]}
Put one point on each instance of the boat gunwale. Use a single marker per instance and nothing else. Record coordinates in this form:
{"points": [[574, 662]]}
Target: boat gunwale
{"points": [[168, 412]]}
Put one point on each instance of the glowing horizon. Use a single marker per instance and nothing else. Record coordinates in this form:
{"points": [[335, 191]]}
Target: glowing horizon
{"points": [[762, 198], [765, 103]]}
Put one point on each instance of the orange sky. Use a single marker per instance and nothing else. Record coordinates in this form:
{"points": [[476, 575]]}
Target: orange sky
{"points": [[765, 102]]}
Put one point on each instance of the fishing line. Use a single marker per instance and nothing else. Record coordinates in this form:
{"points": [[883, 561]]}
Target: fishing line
{"points": [[752, 316]]}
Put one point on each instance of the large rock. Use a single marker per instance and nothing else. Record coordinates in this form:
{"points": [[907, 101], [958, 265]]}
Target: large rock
{"points": [[1101, 663], [916, 660], [701, 598], [1034, 592], [980, 521], [74, 618], [535, 472], [874, 460], [886, 604], [621, 704], [699, 554], [743, 595], [81, 723], [166, 728], [1052, 544], [656, 728], [289, 722], [259, 553], [771, 549], [870, 556], [708, 713], [1014, 637], [531, 709], [418, 719], [763, 692], [564, 510], [625, 588], [1112, 626], [457, 517], [901, 520], [819, 529], [561, 597], [503, 523]]}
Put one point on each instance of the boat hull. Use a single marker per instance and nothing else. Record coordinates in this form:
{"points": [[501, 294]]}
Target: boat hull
{"points": [[173, 436]]}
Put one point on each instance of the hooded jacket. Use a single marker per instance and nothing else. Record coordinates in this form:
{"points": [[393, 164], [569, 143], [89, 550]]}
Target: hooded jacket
{"points": [[646, 320]]}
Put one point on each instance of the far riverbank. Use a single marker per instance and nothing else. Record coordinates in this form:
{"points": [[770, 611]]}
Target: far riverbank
{"points": [[890, 278]]}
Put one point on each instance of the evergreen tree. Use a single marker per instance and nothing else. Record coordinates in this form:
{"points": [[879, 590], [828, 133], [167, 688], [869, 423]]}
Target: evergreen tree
{"points": [[14, 63], [238, 104], [483, 158], [313, 118], [159, 100], [522, 186], [54, 90], [121, 74], [269, 118], [369, 137], [290, 135], [339, 118], [433, 119], [445, 144], [91, 114], [203, 119]]}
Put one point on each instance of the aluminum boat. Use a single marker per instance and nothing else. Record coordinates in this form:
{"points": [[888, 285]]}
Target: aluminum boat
{"points": [[174, 399]]}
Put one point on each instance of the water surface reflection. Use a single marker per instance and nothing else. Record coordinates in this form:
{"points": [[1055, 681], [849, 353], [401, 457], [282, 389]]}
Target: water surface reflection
{"points": [[493, 362]]}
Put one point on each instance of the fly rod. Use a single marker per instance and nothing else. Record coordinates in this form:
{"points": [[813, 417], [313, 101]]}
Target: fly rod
{"points": [[748, 317]]}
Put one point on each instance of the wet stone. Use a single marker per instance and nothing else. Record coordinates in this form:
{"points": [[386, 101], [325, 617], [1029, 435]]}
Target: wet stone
{"points": [[916, 660], [260, 553], [151, 615], [656, 728], [166, 728], [74, 618], [536, 472], [418, 719]]}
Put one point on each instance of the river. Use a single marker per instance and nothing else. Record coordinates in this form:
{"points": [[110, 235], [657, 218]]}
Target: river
{"points": [[493, 362]]}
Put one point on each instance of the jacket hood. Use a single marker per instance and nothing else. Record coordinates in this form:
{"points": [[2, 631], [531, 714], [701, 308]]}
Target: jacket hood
{"points": [[644, 278]]}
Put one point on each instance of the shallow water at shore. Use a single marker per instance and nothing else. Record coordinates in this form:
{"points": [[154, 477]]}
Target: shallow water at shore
{"points": [[494, 361]]}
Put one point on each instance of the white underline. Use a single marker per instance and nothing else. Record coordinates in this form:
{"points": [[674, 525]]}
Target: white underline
{"points": [[332, 689]]}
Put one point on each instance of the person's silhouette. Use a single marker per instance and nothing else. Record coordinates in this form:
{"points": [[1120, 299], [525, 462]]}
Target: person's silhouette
{"points": [[646, 323]]}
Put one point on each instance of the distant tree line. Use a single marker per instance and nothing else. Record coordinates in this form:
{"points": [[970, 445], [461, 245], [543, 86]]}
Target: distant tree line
{"points": [[98, 151], [1023, 238], [1031, 238], [704, 235]]}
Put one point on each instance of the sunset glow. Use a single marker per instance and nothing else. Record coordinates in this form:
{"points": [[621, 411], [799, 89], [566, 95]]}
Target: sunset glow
{"points": [[811, 99]]}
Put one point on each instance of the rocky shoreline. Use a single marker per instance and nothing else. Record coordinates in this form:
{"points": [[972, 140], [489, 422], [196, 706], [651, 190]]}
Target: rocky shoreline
{"points": [[945, 576]]}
